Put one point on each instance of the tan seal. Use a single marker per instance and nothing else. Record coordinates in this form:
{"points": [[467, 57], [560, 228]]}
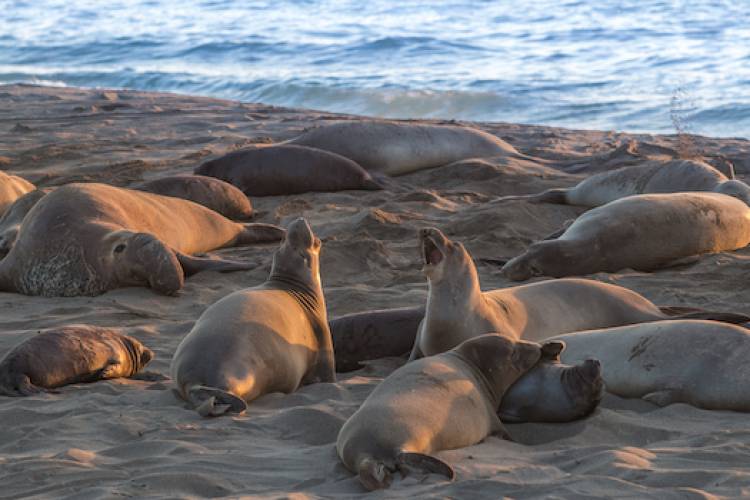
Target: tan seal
{"points": [[270, 338], [397, 148], [458, 310], [85, 239], [673, 176], [438, 403], [643, 232], [701, 363]]}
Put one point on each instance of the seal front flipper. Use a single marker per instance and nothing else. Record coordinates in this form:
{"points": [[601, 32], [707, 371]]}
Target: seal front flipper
{"points": [[556, 234], [499, 430], [664, 398], [426, 463], [193, 265], [374, 475]]}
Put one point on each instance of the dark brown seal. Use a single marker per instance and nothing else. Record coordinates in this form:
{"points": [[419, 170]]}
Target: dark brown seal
{"points": [[70, 355], [287, 169]]}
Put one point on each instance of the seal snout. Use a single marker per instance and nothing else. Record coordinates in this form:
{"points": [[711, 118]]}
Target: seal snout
{"points": [[591, 370], [300, 234], [433, 246]]}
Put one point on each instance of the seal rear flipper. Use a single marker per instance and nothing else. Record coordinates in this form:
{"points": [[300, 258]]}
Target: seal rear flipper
{"points": [[426, 463], [724, 317], [193, 265], [374, 475], [21, 385], [213, 402], [256, 232], [556, 196]]}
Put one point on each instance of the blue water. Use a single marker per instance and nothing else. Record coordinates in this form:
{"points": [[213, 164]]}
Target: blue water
{"points": [[638, 65]]}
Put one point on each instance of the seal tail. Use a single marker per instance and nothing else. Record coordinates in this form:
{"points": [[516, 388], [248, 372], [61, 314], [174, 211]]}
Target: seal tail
{"points": [[426, 463], [213, 402], [556, 196]]}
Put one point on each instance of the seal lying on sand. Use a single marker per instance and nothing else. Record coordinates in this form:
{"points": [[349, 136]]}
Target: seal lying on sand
{"points": [[549, 392], [212, 193], [458, 310], [215, 194], [287, 169], [11, 188], [643, 232], [702, 363], [651, 177], [394, 148], [438, 403], [373, 335], [270, 338], [85, 239], [70, 355]]}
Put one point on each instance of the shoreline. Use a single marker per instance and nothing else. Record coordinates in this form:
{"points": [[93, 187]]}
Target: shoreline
{"points": [[134, 438]]}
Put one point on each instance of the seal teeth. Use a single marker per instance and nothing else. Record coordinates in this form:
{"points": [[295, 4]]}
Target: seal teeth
{"points": [[432, 254]]}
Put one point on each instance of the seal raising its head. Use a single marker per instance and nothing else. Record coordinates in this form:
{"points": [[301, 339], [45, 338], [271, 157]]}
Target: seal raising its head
{"points": [[270, 338]]}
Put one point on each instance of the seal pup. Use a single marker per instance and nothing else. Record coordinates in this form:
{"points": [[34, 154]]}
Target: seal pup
{"points": [[438, 403], [212, 193], [643, 232], [85, 239], [285, 169], [12, 187], [70, 355], [458, 310], [651, 177], [397, 148], [701, 363], [270, 338]]}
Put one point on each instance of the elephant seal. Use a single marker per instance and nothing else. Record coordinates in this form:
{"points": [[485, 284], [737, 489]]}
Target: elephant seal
{"points": [[70, 355], [701, 363], [10, 221], [12, 187], [287, 169], [396, 148], [212, 193], [85, 239], [643, 232], [458, 310], [549, 392], [438, 403], [651, 177], [270, 338], [373, 334]]}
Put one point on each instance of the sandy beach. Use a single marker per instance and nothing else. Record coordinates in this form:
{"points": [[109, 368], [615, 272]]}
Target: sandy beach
{"points": [[133, 438]]}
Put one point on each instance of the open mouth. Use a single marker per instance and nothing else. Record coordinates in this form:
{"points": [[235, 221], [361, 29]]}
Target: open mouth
{"points": [[432, 255]]}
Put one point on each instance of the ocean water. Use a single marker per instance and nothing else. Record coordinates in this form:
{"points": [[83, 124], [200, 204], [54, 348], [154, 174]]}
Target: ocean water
{"points": [[637, 65]]}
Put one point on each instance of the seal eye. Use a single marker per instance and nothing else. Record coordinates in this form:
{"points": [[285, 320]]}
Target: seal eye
{"points": [[119, 248]]}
